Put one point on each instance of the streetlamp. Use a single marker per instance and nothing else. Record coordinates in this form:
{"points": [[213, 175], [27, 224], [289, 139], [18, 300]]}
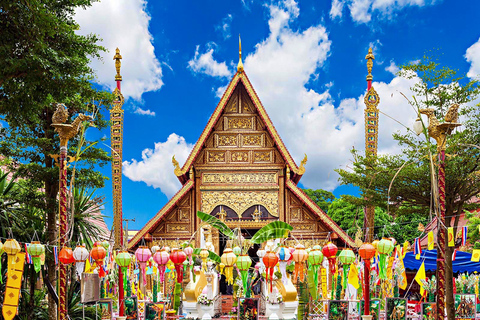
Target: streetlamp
{"points": [[66, 132], [439, 132]]}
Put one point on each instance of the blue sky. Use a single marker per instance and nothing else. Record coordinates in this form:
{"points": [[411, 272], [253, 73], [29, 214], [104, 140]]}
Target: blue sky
{"points": [[305, 59]]}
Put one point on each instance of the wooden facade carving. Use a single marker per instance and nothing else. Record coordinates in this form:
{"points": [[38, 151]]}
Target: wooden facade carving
{"points": [[241, 163]]}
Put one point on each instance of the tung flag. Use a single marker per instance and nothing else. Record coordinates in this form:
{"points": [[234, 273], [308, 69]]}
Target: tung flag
{"points": [[421, 276], [451, 237]]}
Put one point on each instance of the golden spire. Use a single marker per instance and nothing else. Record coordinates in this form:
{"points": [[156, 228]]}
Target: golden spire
{"points": [[240, 64], [118, 64], [370, 57]]}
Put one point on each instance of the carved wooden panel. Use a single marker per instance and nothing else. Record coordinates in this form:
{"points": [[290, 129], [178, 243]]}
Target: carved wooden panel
{"points": [[216, 156], [239, 156], [253, 140], [239, 123], [179, 221], [240, 178], [263, 156], [247, 104], [239, 201], [232, 105], [226, 140]]}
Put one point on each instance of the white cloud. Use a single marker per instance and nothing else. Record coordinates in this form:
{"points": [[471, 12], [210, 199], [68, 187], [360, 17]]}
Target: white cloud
{"points": [[392, 68], [123, 24], [473, 56], [224, 26], [337, 8], [155, 168], [143, 112], [205, 63], [361, 11]]}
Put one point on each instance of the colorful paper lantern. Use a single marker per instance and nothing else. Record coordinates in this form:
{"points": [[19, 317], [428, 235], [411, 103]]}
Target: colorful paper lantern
{"points": [[237, 250], [178, 257], [300, 255], [228, 258], [80, 254], [66, 256], [123, 260], [189, 252], [11, 247], [204, 256], [260, 254], [315, 258], [154, 249], [270, 260], [330, 252], [346, 257], [284, 255], [366, 251], [384, 248], [243, 264], [98, 254], [105, 244], [36, 249], [161, 258], [143, 254]]}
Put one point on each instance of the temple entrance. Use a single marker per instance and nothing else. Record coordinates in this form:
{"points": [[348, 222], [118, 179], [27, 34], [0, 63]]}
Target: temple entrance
{"points": [[252, 252]]}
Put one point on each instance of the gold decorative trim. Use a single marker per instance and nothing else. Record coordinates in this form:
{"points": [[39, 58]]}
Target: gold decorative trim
{"points": [[241, 178], [239, 201], [233, 187], [170, 204], [247, 223], [322, 215]]}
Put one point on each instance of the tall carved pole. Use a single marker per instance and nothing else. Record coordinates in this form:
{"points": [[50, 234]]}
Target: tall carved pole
{"points": [[439, 132], [116, 133], [65, 132], [371, 138]]}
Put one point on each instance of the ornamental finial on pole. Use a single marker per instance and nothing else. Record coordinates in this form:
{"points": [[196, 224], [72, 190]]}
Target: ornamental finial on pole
{"points": [[240, 64], [118, 64], [370, 57]]}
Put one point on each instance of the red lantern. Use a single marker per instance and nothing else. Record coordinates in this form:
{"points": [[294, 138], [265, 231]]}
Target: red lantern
{"points": [[66, 256], [98, 253], [178, 257], [270, 260], [330, 252], [367, 252]]}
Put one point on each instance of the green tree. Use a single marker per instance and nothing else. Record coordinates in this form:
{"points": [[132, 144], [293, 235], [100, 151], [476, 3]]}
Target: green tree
{"points": [[321, 197], [44, 61], [403, 182]]}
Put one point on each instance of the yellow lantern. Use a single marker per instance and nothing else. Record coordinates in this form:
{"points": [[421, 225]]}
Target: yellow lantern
{"points": [[11, 247], [204, 256], [228, 258]]}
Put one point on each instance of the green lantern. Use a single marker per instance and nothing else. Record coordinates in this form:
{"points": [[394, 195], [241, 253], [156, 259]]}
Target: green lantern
{"points": [[123, 260], [36, 249], [237, 250], [346, 257], [243, 264], [105, 244], [315, 258], [384, 248]]}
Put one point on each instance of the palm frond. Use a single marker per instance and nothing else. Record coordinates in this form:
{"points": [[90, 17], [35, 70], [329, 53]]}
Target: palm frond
{"points": [[216, 223], [273, 230]]}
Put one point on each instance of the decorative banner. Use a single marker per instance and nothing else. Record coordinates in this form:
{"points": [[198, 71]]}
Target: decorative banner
{"points": [[323, 273], [454, 255], [421, 276], [12, 290], [464, 235], [451, 237], [417, 249], [476, 255], [353, 276], [431, 243], [403, 282]]}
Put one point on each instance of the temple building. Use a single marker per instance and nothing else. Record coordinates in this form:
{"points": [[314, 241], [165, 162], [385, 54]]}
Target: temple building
{"points": [[241, 172]]}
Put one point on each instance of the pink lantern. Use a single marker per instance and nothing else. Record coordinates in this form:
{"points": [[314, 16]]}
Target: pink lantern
{"points": [[161, 258], [143, 254], [189, 252]]}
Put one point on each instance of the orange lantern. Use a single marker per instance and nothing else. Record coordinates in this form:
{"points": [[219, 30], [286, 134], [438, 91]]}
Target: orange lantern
{"points": [[98, 253], [66, 255], [270, 259], [300, 255]]}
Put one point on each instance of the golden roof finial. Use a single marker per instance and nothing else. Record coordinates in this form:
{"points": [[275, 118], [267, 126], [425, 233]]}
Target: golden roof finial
{"points": [[118, 64], [370, 57], [240, 64]]}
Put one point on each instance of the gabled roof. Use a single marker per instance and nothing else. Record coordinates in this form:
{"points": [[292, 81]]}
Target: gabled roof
{"points": [[297, 172], [320, 213], [160, 214]]}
